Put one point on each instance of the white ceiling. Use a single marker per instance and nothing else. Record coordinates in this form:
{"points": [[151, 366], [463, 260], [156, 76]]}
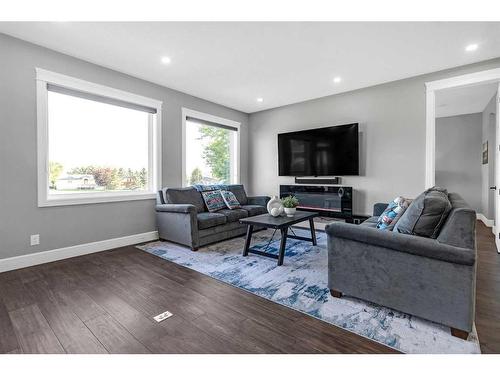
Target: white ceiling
{"points": [[464, 100], [235, 63]]}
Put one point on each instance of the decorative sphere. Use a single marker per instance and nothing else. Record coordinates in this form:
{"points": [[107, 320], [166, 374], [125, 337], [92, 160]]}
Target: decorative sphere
{"points": [[275, 212]]}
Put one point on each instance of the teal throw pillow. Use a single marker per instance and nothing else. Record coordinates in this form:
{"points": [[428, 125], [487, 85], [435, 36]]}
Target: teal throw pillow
{"points": [[392, 213], [230, 200], [213, 200]]}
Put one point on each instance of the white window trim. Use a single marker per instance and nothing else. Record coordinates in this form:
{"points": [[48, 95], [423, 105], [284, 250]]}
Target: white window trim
{"points": [[44, 77], [186, 112]]}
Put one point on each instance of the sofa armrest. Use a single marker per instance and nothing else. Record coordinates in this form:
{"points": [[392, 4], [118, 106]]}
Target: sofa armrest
{"points": [[178, 223], [177, 208], [260, 200], [415, 245], [378, 208]]}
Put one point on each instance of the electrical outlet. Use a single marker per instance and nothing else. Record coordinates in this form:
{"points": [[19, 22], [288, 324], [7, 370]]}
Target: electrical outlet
{"points": [[35, 239]]}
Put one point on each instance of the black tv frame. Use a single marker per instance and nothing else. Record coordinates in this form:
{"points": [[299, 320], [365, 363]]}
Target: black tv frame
{"points": [[318, 175]]}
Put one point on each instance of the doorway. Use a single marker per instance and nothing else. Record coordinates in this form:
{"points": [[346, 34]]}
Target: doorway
{"points": [[462, 141]]}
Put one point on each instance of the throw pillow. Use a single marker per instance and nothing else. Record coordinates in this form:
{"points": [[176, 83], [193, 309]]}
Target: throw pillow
{"points": [[437, 188], [392, 213], [230, 200], [426, 214], [213, 200]]}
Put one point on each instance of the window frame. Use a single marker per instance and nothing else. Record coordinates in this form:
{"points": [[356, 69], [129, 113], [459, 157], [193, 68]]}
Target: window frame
{"points": [[186, 112], [45, 77]]}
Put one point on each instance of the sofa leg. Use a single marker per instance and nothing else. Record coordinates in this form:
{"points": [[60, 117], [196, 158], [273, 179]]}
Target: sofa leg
{"points": [[194, 248], [335, 293], [459, 333]]}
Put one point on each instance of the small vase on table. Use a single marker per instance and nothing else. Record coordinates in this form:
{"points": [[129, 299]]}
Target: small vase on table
{"points": [[290, 203]]}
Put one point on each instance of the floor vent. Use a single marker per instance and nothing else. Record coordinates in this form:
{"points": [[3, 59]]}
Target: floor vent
{"points": [[164, 315]]}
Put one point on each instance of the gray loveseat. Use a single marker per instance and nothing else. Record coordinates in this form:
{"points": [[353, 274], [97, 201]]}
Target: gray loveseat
{"points": [[182, 216], [429, 278]]}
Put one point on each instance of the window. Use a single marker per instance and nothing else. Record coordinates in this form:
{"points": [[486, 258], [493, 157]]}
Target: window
{"points": [[210, 149], [95, 144]]}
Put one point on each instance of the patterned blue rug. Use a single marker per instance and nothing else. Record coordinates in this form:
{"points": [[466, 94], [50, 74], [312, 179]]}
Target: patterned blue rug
{"points": [[301, 284]]}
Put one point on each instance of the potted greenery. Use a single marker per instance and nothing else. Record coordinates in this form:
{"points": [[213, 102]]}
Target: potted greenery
{"points": [[290, 203]]}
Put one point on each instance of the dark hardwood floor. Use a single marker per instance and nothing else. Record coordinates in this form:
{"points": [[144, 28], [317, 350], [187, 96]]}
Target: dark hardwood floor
{"points": [[104, 303], [487, 291]]}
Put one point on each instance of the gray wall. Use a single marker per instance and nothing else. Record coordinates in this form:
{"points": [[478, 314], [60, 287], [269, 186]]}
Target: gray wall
{"points": [[488, 170], [71, 225], [392, 124], [458, 156]]}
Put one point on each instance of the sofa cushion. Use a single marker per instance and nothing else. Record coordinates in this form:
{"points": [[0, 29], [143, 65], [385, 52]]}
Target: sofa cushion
{"points": [[254, 209], [233, 215], [459, 228], [370, 222], [239, 192], [210, 219], [187, 195], [440, 189], [213, 200], [225, 231], [425, 215], [230, 199], [393, 213]]}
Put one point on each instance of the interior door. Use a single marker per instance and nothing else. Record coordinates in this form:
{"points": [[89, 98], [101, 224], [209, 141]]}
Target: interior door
{"points": [[497, 173]]}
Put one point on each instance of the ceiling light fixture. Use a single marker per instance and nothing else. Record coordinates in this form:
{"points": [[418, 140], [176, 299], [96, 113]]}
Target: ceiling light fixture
{"points": [[471, 47], [337, 80], [166, 60], [260, 100]]}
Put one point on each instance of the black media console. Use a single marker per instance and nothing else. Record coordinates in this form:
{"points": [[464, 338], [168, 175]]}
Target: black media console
{"points": [[335, 201]]}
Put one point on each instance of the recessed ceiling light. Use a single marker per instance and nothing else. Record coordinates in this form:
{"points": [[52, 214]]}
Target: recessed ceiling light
{"points": [[166, 60], [337, 79], [471, 47], [260, 100]]}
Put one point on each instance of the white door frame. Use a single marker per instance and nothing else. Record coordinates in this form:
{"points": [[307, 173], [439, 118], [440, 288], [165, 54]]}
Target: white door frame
{"points": [[472, 79], [496, 227]]}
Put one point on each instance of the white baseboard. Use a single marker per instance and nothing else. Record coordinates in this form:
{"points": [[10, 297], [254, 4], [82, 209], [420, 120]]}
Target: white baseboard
{"points": [[29, 260], [488, 222]]}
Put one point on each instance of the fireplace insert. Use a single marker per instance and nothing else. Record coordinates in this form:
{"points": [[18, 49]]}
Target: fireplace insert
{"points": [[335, 201]]}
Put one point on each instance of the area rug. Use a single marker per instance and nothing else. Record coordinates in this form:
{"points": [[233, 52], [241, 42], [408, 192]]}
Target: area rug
{"points": [[301, 284]]}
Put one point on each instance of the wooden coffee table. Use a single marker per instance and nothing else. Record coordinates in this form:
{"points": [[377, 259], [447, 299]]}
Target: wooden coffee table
{"points": [[282, 223]]}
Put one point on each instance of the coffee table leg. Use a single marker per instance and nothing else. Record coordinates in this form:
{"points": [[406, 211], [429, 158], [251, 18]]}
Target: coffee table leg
{"points": [[281, 256], [248, 240], [313, 232]]}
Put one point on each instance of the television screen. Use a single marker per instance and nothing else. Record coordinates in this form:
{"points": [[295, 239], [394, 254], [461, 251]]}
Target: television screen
{"points": [[330, 151]]}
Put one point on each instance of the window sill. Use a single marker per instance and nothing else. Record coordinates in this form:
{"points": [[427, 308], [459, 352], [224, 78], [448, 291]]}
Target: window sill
{"points": [[70, 199]]}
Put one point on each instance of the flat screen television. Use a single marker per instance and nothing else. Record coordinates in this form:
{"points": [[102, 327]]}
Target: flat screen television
{"points": [[329, 151]]}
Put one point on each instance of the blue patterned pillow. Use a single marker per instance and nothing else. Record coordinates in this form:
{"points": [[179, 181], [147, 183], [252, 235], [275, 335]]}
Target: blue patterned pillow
{"points": [[392, 213], [213, 200], [230, 199]]}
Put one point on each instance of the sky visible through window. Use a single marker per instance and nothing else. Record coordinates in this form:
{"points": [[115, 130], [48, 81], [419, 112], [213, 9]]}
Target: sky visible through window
{"points": [[95, 146], [194, 146]]}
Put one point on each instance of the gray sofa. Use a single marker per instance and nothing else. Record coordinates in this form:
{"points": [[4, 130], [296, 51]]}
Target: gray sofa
{"points": [[182, 216], [429, 278]]}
